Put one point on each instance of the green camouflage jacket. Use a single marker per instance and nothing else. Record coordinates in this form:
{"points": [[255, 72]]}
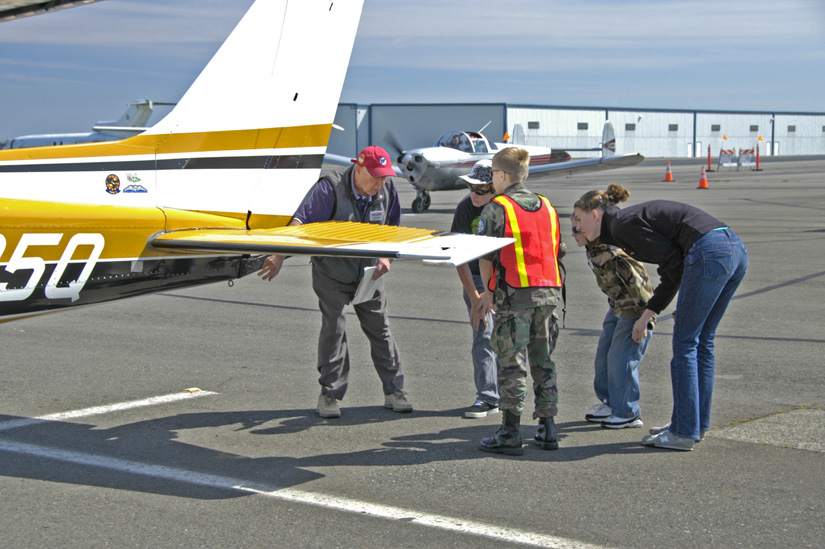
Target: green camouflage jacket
{"points": [[623, 279]]}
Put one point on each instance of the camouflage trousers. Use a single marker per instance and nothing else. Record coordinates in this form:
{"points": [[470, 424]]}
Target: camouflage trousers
{"points": [[522, 339]]}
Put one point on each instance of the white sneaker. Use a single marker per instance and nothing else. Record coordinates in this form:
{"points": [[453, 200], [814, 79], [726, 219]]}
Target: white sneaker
{"points": [[670, 441], [328, 407], [663, 428], [598, 413], [616, 422], [398, 402]]}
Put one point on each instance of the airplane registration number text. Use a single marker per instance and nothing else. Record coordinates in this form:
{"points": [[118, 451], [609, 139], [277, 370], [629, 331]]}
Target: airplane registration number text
{"points": [[37, 265]]}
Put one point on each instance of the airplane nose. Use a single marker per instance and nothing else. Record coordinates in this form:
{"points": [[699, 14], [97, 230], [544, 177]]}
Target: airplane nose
{"points": [[413, 166]]}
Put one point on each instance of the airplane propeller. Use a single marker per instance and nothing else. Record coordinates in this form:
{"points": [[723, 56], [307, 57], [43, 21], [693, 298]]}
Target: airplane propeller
{"points": [[390, 138]]}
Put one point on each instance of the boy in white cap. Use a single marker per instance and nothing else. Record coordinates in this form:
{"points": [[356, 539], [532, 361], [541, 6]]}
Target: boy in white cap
{"points": [[465, 220]]}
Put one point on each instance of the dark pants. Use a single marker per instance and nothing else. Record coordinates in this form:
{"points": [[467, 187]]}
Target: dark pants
{"points": [[333, 354]]}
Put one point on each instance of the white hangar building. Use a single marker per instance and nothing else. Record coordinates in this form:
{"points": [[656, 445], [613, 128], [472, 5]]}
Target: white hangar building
{"points": [[653, 133]]}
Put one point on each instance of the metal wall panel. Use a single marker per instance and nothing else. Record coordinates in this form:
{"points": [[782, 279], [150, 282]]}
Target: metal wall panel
{"points": [[345, 142], [796, 134], [558, 128], [732, 131], [657, 134]]}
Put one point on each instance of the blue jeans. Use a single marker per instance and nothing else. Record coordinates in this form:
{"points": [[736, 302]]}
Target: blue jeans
{"points": [[714, 267], [617, 360], [485, 363]]}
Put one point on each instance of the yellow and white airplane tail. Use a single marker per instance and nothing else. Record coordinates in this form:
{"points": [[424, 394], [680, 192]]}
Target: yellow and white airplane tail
{"points": [[250, 131], [192, 198], [278, 78]]}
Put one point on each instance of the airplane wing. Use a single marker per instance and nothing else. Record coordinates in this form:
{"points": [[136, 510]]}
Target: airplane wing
{"points": [[566, 169], [12, 9], [335, 238], [347, 161]]}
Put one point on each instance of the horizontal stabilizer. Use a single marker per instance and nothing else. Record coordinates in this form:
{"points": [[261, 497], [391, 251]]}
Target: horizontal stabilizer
{"points": [[561, 169], [335, 238]]}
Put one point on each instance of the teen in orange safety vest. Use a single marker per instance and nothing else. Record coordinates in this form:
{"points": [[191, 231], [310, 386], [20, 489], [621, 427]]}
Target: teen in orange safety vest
{"points": [[532, 260], [524, 291]]}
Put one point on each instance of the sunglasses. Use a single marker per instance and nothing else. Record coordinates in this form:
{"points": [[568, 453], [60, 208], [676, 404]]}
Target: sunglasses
{"points": [[481, 192]]}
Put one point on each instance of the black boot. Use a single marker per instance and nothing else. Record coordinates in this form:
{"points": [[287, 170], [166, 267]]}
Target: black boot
{"points": [[507, 439], [546, 435]]}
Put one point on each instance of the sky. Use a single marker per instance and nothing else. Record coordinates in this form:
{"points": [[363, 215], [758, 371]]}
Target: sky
{"points": [[65, 71]]}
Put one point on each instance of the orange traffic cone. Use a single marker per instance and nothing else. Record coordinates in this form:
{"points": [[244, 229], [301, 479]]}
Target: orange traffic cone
{"points": [[703, 180], [668, 173]]}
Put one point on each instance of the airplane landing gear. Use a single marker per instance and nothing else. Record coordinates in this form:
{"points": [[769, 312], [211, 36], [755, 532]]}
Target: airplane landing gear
{"points": [[421, 202]]}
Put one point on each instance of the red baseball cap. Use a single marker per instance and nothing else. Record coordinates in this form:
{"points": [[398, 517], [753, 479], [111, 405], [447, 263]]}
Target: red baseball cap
{"points": [[376, 160]]}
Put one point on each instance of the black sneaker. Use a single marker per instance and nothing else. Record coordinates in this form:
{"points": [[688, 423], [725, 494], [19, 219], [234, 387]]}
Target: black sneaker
{"points": [[480, 409]]}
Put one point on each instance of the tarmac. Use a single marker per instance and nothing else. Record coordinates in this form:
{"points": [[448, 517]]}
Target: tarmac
{"points": [[100, 446]]}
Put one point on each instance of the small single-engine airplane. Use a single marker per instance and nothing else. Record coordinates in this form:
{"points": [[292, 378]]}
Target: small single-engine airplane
{"points": [[438, 168], [197, 196], [132, 122]]}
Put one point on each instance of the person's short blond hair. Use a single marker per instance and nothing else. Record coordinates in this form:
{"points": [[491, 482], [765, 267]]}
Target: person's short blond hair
{"points": [[514, 161]]}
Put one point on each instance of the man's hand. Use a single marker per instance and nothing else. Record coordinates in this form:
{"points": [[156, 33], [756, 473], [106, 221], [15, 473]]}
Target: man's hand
{"points": [[478, 317], [382, 267], [271, 267]]}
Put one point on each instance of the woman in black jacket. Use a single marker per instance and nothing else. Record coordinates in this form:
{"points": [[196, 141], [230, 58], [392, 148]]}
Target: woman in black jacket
{"points": [[697, 256]]}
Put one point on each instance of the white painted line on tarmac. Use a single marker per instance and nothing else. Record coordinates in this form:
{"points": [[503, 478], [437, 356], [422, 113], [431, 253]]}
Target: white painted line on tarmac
{"points": [[430, 520], [100, 410], [283, 494]]}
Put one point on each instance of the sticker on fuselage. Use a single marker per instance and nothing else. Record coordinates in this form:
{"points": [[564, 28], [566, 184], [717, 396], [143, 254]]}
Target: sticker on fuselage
{"points": [[135, 189], [112, 184]]}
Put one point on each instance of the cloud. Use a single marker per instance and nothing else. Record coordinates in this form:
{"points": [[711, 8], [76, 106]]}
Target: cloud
{"points": [[527, 35]]}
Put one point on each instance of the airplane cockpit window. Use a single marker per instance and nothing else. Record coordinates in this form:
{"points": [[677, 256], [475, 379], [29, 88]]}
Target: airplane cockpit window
{"points": [[455, 140], [480, 145]]}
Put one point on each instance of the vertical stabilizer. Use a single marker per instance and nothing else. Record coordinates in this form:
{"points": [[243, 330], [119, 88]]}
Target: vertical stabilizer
{"points": [[259, 115], [518, 135], [283, 65], [608, 140], [248, 135], [136, 116]]}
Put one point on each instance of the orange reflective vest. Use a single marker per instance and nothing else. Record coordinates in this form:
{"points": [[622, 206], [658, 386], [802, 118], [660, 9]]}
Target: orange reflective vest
{"points": [[532, 260]]}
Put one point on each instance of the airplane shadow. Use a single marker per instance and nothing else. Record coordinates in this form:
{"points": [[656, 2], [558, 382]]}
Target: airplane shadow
{"points": [[148, 456]]}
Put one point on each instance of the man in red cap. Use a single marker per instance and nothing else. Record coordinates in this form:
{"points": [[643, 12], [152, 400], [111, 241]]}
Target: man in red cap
{"points": [[364, 193]]}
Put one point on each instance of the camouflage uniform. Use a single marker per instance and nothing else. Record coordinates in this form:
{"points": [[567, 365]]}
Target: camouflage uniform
{"points": [[526, 324]]}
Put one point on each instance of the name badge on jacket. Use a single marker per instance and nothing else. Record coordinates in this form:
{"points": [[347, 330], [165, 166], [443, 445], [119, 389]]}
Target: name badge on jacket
{"points": [[376, 216]]}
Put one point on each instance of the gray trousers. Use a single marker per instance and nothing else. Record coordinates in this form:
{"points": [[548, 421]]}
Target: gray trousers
{"points": [[333, 353]]}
